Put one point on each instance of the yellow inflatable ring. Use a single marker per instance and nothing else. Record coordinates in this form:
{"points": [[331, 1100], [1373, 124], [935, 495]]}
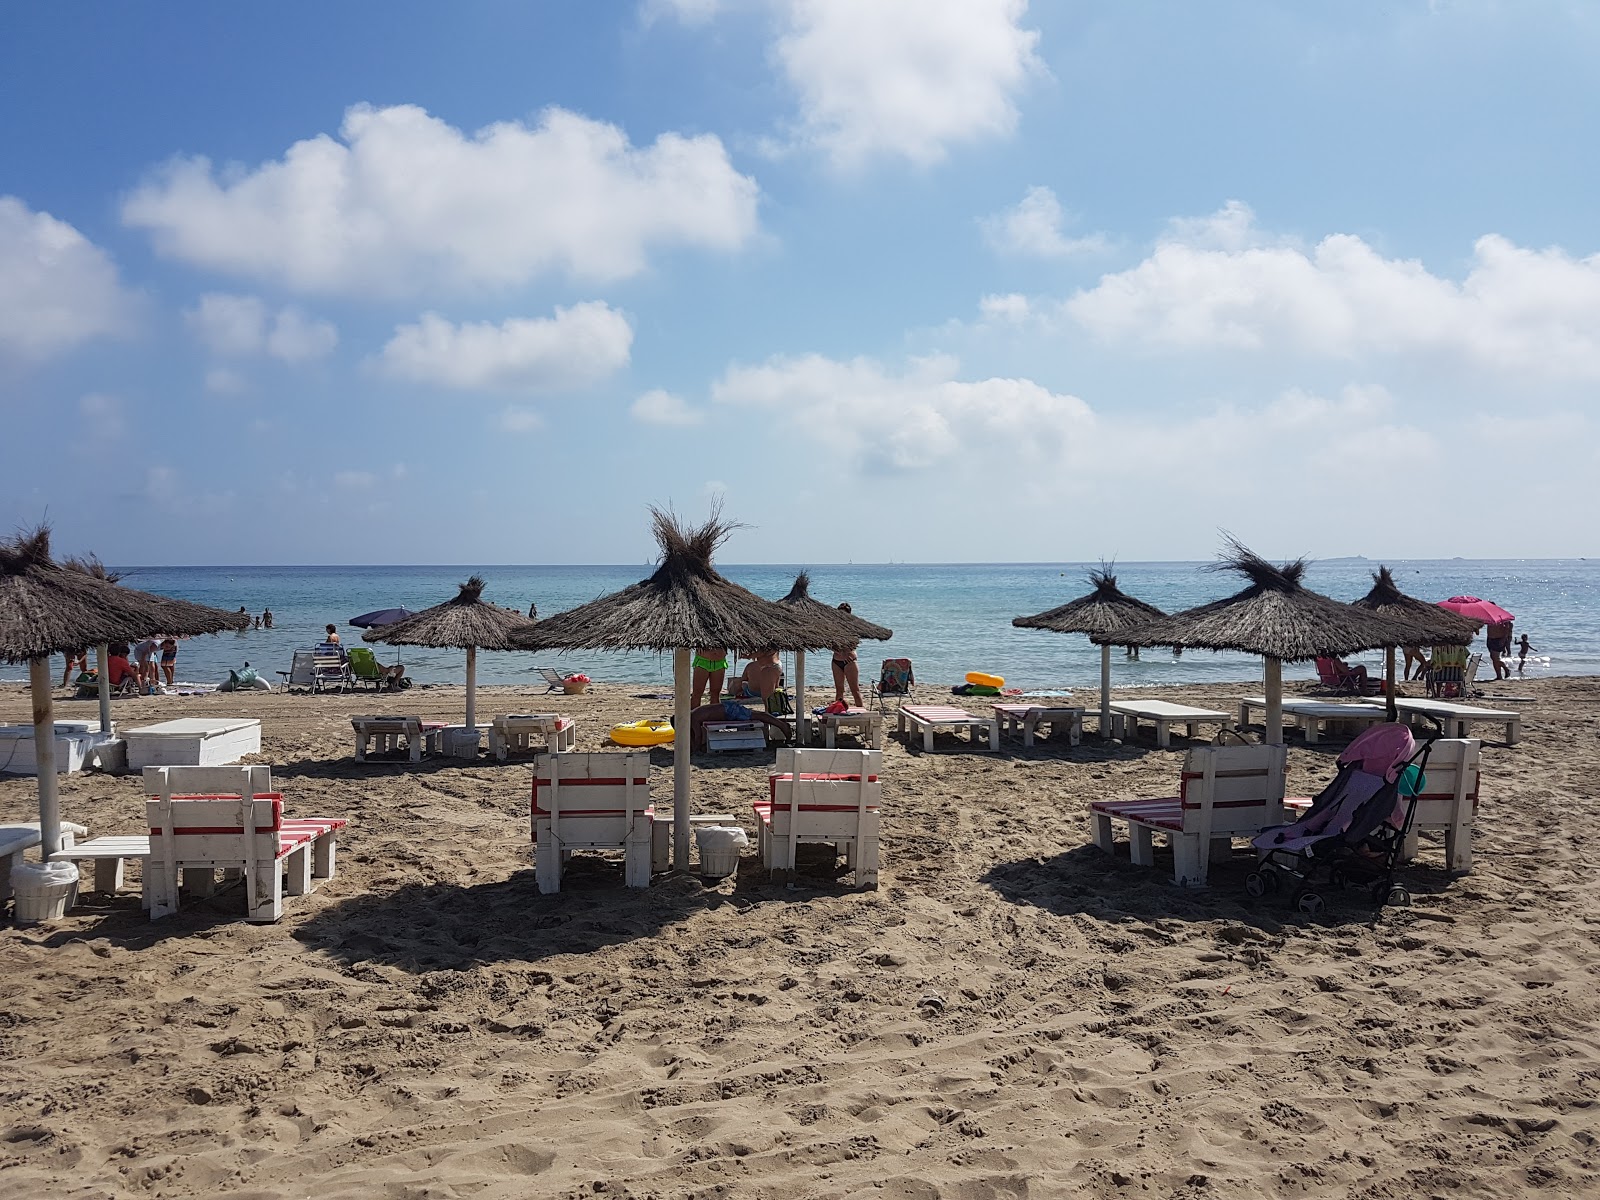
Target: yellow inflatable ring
{"points": [[983, 680], [642, 733]]}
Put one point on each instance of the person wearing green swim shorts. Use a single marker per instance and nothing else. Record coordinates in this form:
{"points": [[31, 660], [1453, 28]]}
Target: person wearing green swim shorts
{"points": [[710, 665]]}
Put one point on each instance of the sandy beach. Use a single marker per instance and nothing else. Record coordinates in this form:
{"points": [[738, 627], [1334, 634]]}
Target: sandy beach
{"points": [[1011, 1014]]}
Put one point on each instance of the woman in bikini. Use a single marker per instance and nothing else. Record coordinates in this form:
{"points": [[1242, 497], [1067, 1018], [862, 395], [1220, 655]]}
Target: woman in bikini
{"points": [[710, 665], [846, 671]]}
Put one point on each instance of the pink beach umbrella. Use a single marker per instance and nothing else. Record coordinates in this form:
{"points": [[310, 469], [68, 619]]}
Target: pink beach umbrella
{"points": [[1474, 609]]}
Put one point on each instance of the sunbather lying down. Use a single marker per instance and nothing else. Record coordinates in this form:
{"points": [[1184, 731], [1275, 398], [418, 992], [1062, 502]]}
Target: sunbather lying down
{"points": [[727, 710]]}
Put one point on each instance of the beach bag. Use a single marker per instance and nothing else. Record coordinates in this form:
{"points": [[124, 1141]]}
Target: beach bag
{"points": [[778, 703]]}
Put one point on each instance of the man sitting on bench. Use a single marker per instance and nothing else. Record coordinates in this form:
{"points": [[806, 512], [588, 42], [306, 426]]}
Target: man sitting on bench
{"points": [[727, 710]]}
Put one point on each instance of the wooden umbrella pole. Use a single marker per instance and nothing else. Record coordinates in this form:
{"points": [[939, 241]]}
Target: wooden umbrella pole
{"points": [[680, 759], [1273, 735], [1105, 691], [102, 659], [1391, 709], [800, 697], [44, 757], [472, 686]]}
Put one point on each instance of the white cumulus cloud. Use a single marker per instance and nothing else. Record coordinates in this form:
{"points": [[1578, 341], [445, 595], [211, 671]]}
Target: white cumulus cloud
{"points": [[57, 289], [905, 78], [920, 417], [658, 407], [1033, 228], [578, 346], [1219, 283], [402, 202], [239, 326]]}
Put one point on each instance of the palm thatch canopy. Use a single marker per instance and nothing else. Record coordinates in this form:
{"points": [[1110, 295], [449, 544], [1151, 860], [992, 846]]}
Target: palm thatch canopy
{"points": [[465, 622], [48, 607], [1434, 626], [1106, 610], [834, 626], [684, 604], [1275, 615]]}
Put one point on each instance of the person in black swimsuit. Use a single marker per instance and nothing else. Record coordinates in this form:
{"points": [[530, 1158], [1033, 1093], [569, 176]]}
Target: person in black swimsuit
{"points": [[846, 670]]}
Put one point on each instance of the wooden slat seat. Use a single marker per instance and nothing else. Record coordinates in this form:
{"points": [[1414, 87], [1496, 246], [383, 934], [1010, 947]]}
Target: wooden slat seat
{"points": [[829, 796]]}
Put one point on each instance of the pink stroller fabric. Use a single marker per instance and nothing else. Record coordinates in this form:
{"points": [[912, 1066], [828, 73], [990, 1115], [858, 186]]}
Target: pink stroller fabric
{"points": [[1376, 757], [1381, 750]]}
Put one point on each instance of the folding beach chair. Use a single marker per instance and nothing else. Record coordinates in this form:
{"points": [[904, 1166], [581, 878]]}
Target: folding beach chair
{"points": [[894, 679], [556, 680]]}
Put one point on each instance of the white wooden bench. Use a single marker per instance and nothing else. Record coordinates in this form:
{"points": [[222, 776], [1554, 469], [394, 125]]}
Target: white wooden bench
{"points": [[598, 800], [1163, 714], [1026, 719], [925, 718], [1456, 717], [109, 853], [1314, 716], [830, 796], [1224, 792], [735, 735], [386, 732], [193, 835], [517, 731]]}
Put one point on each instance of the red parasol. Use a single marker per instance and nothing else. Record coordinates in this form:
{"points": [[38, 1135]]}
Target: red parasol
{"points": [[1474, 609]]}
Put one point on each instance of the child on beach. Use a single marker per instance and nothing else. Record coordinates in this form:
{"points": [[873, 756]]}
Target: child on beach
{"points": [[1523, 650]]}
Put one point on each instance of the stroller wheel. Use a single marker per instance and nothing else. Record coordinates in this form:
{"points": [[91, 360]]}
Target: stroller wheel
{"points": [[1311, 904], [1398, 897], [1255, 884], [1339, 878], [1272, 880]]}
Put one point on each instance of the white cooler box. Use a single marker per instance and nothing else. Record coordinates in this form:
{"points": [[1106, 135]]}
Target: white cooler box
{"points": [[192, 742], [74, 739]]}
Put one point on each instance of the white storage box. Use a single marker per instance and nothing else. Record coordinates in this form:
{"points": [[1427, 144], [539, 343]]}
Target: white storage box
{"points": [[192, 742], [74, 739]]}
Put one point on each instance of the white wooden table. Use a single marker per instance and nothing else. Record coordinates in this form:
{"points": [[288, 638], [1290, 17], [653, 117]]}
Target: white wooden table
{"points": [[1026, 719], [1313, 716], [925, 718], [1163, 714], [867, 724]]}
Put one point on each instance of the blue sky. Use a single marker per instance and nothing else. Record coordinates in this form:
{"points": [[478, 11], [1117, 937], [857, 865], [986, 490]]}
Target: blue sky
{"points": [[938, 280]]}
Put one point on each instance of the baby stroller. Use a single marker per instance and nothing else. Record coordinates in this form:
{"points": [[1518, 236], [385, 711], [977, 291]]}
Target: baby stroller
{"points": [[1355, 829]]}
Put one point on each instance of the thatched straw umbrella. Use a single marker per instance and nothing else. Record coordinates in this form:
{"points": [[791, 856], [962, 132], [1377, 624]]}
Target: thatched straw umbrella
{"points": [[46, 609], [684, 604], [1434, 626], [466, 622], [1276, 617], [834, 627], [1107, 610]]}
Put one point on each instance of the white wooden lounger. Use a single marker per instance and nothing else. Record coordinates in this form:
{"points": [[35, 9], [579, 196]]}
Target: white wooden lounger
{"points": [[1163, 714], [517, 731], [420, 735], [1314, 716], [1456, 717], [925, 718], [1026, 719]]}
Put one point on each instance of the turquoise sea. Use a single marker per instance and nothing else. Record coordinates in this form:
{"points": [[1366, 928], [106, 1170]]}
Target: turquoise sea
{"points": [[948, 619]]}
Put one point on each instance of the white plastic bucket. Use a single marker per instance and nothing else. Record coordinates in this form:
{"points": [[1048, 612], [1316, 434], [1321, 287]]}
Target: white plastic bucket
{"points": [[719, 849], [43, 891]]}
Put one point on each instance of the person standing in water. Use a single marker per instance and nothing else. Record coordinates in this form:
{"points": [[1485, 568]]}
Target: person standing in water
{"points": [[1523, 650]]}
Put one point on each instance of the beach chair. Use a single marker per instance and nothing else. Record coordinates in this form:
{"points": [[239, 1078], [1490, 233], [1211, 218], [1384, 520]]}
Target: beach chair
{"points": [[593, 800], [1446, 674], [517, 731], [1448, 802], [302, 671], [828, 796], [895, 678], [1337, 677], [556, 680], [1224, 792], [236, 829], [330, 668], [365, 667]]}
